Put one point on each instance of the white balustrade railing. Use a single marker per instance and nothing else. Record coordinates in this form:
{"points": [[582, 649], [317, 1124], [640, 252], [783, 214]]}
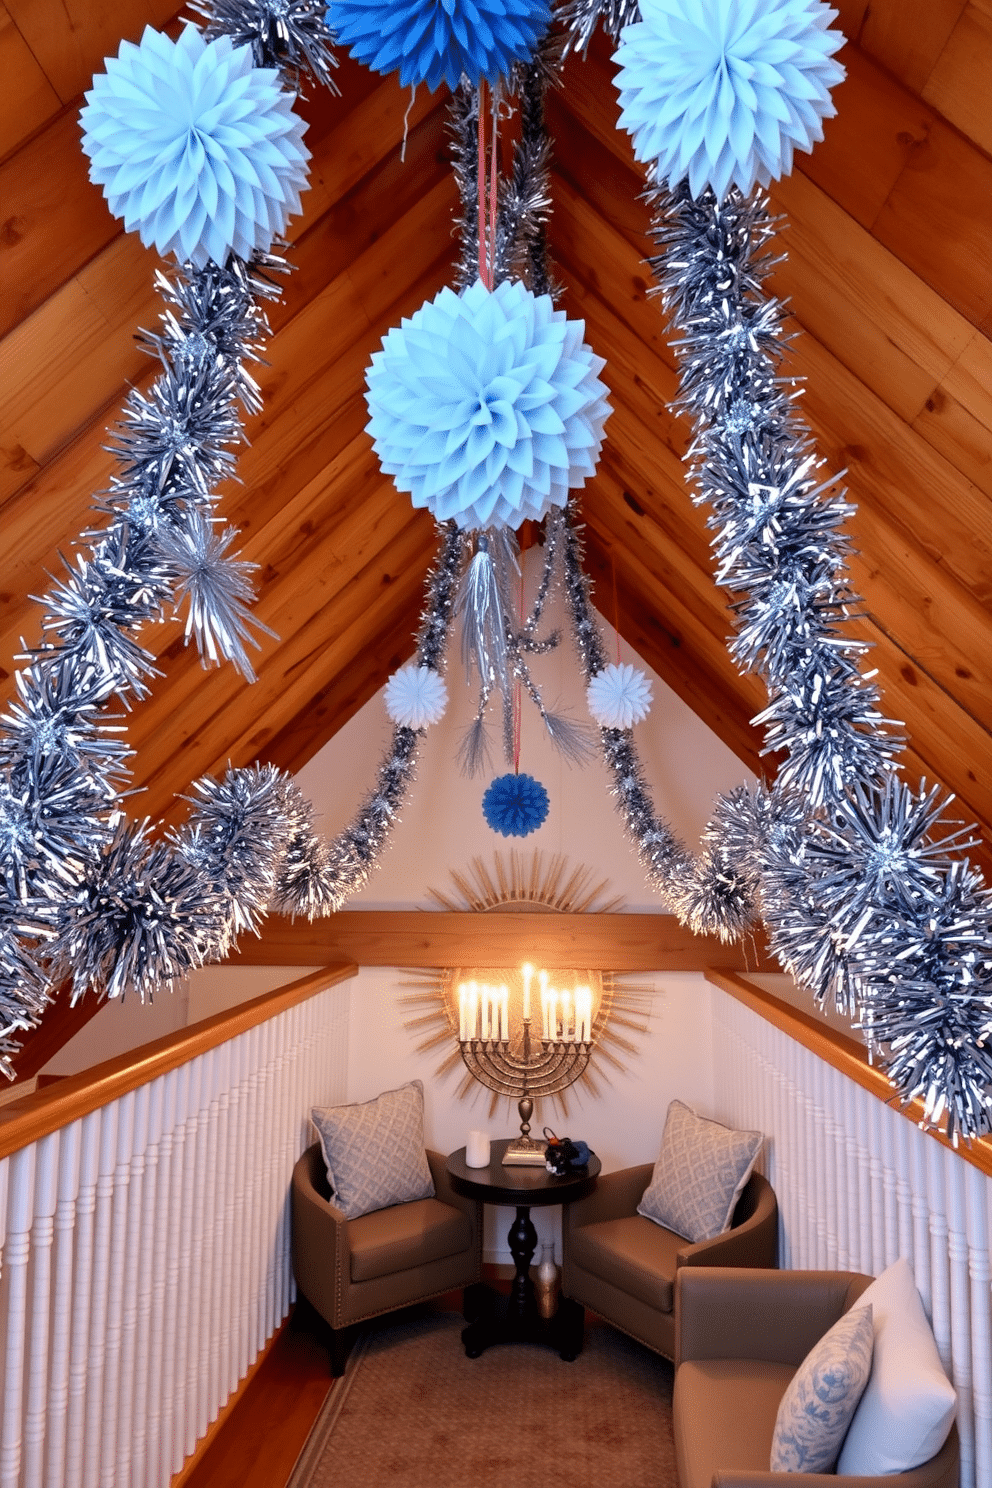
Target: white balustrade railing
{"points": [[145, 1252], [858, 1185]]}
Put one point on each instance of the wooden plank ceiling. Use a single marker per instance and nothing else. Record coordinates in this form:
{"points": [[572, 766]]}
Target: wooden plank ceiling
{"points": [[890, 278]]}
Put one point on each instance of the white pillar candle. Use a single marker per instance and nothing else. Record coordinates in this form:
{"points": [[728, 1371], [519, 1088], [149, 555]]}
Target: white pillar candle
{"points": [[477, 1150], [583, 1013], [546, 1030], [473, 1008], [462, 1013], [504, 1013], [527, 971], [484, 1010]]}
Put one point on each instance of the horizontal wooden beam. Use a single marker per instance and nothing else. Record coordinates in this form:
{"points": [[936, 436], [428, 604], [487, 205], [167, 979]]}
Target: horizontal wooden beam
{"points": [[597, 942], [47, 1110], [844, 1054]]}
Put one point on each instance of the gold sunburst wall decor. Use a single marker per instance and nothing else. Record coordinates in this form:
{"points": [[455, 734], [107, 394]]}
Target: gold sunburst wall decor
{"points": [[618, 1007]]}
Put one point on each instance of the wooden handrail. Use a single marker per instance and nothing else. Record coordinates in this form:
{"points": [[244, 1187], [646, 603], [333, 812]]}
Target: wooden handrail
{"points": [[845, 1054], [25, 1121]]}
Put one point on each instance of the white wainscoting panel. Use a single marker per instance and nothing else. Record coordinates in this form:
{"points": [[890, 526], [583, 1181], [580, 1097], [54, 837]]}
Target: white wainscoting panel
{"points": [[145, 1255], [859, 1185]]}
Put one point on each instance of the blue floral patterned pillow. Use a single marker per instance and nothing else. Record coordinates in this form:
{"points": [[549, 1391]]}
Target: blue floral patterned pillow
{"points": [[819, 1404]]}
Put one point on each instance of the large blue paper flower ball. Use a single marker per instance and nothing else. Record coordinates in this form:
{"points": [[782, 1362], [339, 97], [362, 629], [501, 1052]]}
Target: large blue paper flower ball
{"points": [[435, 41], [486, 406], [194, 146], [722, 91], [515, 805]]}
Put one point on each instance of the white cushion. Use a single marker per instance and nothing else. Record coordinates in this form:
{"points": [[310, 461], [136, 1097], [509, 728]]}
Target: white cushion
{"points": [[374, 1152], [908, 1406], [699, 1176], [823, 1395]]}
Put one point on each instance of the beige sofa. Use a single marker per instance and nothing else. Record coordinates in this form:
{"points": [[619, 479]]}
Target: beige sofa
{"points": [[742, 1335], [349, 1270], [623, 1266]]}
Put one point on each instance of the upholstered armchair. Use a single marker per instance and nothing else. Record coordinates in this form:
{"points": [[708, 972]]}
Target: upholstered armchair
{"points": [[352, 1269], [623, 1266], [742, 1335]]}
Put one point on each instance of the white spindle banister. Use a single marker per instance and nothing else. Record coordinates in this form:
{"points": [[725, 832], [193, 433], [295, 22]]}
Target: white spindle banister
{"points": [[144, 1237], [859, 1183]]}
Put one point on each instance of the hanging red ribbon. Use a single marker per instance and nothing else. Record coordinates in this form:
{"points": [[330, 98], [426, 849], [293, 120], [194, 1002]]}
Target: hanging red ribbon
{"points": [[487, 238]]}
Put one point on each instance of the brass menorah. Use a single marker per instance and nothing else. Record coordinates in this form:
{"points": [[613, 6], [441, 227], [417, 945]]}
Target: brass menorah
{"points": [[538, 1067]]}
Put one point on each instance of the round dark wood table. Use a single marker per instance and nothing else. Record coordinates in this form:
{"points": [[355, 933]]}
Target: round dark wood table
{"points": [[516, 1319]]}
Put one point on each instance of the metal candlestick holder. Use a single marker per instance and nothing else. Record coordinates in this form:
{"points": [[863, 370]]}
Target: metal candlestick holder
{"points": [[544, 1071]]}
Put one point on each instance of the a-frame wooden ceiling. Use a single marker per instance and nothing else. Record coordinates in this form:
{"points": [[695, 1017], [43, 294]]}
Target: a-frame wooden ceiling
{"points": [[890, 278]]}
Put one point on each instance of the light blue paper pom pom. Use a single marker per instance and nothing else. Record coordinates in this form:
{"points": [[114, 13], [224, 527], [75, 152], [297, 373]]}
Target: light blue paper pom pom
{"points": [[515, 805], [486, 406], [723, 91], [435, 41], [197, 149]]}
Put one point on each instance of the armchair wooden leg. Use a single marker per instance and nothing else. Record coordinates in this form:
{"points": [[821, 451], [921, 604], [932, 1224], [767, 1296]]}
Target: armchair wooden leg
{"points": [[340, 1341]]}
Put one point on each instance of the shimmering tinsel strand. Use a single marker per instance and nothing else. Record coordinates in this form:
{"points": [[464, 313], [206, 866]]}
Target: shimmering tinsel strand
{"points": [[863, 897], [291, 35], [706, 892], [86, 894], [581, 17]]}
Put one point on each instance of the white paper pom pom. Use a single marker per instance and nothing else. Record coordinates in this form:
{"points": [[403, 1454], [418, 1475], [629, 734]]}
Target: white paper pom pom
{"points": [[486, 406], [619, 696], [194, 146], [416, 697], [723, 91]]}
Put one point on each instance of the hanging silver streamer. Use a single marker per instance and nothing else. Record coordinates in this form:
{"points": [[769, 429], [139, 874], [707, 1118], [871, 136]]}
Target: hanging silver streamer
{"points": [[581, 17]]}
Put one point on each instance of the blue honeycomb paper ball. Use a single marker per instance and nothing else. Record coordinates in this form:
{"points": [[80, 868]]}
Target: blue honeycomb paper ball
{"points": [[440, 41], [515, 805]]}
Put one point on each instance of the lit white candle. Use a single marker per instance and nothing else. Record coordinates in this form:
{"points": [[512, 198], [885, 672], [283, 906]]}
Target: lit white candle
{"points": [[504, 1012], [485, 1005], [553, 1012], [527, 971], [461, 1012], [473, 1008], [567, 1032], [583, 1012], [545, 1007]]}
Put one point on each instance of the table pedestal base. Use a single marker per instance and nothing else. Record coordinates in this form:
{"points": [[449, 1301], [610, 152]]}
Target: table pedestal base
{"points": [[516, 1319]]}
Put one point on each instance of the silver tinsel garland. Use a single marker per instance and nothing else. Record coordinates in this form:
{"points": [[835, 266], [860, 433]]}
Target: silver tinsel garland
{"points": [[860, 887], [86, 895]]}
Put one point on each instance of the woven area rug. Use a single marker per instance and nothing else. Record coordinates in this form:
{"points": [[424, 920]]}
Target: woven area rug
{"points": [[412, 1409]]}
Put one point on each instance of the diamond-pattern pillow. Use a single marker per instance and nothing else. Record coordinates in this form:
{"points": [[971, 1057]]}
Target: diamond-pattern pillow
{"points": [[699, 1175], [374, 1151], [823, 1395]]}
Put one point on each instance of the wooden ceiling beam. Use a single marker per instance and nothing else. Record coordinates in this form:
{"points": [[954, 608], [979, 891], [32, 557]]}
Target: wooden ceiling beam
{"points": [[417, 938]]}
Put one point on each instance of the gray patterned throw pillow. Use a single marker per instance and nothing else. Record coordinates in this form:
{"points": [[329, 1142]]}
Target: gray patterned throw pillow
{"points": [[817, 1408], [374, 1151], [699, 1175]]}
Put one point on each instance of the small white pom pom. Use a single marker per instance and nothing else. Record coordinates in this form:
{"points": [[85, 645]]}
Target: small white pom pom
{"points": [[416, 697], [619, 696]]}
